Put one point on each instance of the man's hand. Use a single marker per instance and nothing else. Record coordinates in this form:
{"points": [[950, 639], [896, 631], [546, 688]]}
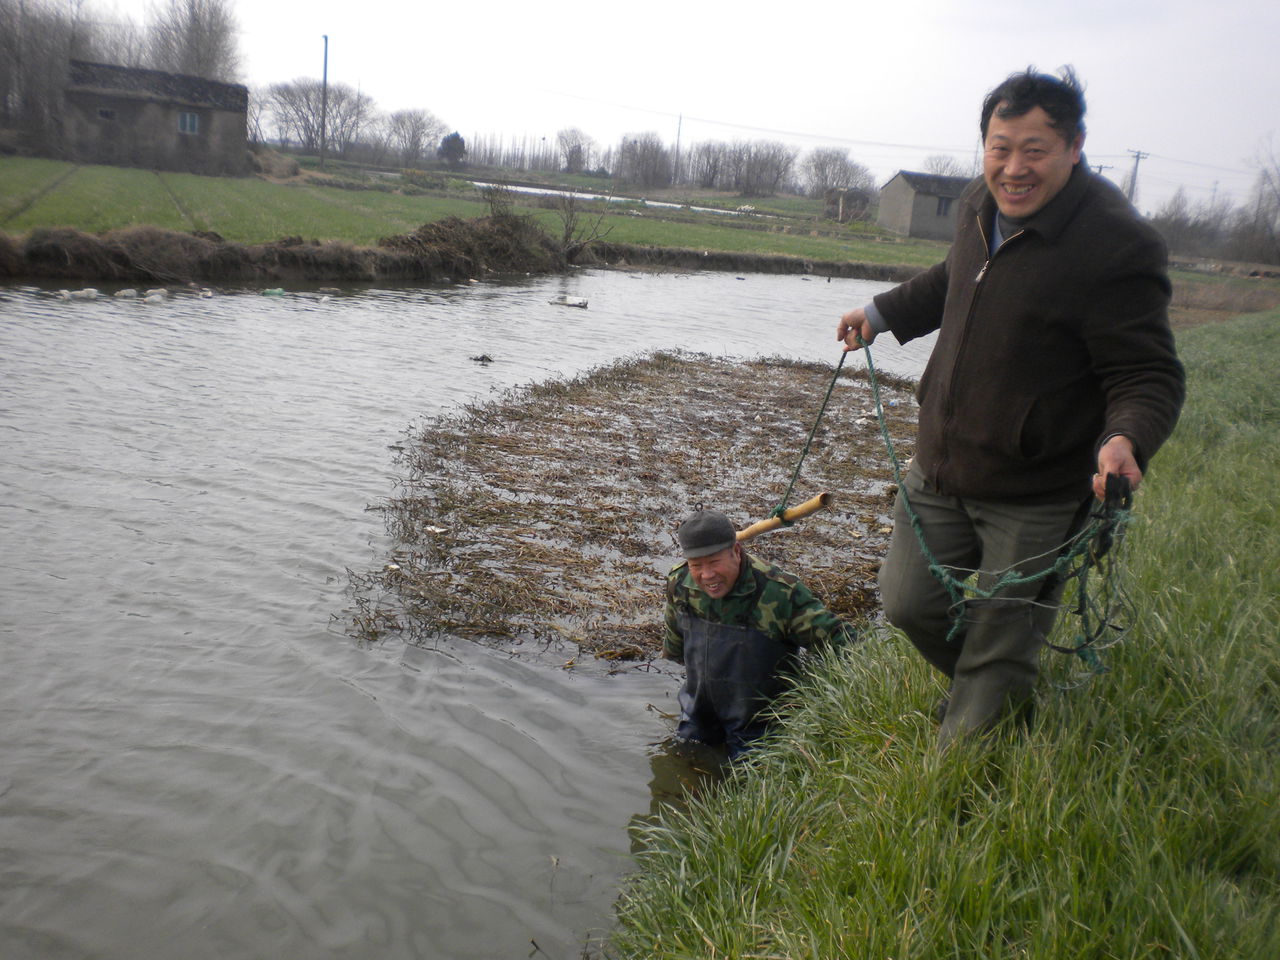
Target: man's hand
{"points": [[852, 325], [1116, 457]]}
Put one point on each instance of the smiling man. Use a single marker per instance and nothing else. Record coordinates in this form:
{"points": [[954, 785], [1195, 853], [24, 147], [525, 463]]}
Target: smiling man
{"points": [[1054, 368], [1027, 161], [737, 624]]}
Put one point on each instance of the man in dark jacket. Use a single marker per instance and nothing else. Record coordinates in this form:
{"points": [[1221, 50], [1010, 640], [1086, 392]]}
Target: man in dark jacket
{"points": [[1054, 367], [737, 623]]}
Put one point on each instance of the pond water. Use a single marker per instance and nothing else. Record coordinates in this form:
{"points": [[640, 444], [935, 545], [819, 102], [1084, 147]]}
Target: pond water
{"points": [[641, 201], [197, 761]]}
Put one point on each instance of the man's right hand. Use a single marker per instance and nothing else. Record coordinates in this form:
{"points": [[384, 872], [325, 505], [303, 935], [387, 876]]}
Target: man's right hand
{"points": [[852, 325]]}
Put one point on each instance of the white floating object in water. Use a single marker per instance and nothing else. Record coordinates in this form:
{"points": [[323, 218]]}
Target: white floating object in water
{"points": [[570, 302], [160, 292], [88, 293], [127, 294]]}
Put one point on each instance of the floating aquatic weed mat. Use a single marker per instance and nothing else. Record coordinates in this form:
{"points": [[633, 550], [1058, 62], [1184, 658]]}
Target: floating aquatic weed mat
{"points": [[549, 514]]}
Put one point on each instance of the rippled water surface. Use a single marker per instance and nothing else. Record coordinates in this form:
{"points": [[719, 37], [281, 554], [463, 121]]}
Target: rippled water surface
{"points": [[196, 762]]}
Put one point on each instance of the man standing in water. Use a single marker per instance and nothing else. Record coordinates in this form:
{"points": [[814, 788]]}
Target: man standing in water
{"points": [[737, 624], [1054, 368]]}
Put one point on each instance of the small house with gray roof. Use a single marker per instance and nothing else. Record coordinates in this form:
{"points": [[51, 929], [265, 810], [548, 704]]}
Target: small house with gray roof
{"points": [[921, 204], [127, 116]]}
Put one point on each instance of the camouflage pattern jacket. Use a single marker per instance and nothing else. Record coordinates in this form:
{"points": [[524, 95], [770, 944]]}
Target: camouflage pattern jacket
{"points": [[764, 597]]}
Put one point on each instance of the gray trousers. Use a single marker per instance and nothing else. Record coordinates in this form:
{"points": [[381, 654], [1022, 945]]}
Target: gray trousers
{"points": [[993, 660]]}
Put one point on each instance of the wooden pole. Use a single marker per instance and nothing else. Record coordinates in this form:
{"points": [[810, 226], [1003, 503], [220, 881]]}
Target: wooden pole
{"points": [[817, 503]]}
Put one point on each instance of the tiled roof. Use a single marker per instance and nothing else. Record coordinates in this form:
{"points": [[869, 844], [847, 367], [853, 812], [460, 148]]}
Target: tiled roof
{"points": [[935, 185], [158, 84]]}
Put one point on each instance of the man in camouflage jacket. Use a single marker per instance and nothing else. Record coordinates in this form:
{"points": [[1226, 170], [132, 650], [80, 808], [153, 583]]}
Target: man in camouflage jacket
{"points": [[737, 623]]}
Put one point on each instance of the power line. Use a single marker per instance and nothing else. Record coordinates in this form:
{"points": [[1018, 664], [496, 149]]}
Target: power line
{"points": [[758, 129], [1193, 163]]}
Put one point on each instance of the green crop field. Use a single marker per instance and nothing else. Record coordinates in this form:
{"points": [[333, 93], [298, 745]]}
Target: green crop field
{"points": [[45, 193]]}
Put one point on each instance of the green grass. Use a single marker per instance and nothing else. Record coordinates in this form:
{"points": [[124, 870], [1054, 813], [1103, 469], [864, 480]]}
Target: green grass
{"points": [[254, 211], [94, 199], [1139, 819], [22, 179], [98, 198], [709, 232]]}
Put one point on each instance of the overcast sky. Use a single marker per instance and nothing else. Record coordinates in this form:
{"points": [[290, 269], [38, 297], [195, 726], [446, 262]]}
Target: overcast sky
{"points": [[1196, 85]]}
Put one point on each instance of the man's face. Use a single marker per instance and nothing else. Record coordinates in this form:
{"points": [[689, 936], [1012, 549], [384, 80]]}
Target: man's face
{"points": [[716, 573], [1026, 162]]}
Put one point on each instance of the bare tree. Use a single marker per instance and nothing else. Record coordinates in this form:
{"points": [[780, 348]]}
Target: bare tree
{"points": [[1255, 236], [706, 163], [576, 149], [349, 109], [378, 139], [830, 168], [578, 228], [36, 40], [411, 132], [123, 43], [195, 37], [298, 105], [643, 160], [255, 118], [944, 165], [762, 166]]}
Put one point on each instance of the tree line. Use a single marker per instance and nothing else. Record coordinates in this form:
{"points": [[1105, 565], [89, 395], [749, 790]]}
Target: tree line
{"points": [[290, 114], [1217, 229]]}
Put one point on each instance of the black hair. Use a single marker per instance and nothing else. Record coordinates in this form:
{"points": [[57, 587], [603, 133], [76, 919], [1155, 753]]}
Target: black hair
{"points": [[1061, 98]]}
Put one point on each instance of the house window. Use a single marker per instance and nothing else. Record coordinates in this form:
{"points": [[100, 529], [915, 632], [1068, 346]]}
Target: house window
{"points": [[105, 114], [188, 123], [944, 206]]}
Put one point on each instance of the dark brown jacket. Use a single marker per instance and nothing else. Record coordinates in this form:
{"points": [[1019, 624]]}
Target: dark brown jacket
{"points": [[1056, 342]]}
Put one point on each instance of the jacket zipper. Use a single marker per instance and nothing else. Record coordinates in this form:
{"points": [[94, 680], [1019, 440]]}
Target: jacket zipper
{"points": [[977, 281]]}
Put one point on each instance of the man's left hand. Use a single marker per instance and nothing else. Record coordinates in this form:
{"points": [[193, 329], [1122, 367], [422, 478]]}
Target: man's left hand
{"points": [[1116, 457]]}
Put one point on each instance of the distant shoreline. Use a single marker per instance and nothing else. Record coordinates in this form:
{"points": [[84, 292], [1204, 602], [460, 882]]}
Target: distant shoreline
{"points": [[455, 250]]}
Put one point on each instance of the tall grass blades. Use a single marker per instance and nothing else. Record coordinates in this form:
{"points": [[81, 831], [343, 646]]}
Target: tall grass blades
{"points": [[1139, 817]]}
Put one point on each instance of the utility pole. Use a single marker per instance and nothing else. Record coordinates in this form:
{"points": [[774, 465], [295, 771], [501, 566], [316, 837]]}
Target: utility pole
{"points": [[1138, 157], [324, 100]]}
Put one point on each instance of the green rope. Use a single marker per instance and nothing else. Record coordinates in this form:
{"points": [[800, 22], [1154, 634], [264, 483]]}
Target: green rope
{"points": [[1085, 550], [781, 507]]}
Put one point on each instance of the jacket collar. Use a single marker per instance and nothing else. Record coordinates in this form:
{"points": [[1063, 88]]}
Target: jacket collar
{"points": [[1057, 213], [746, 582]]}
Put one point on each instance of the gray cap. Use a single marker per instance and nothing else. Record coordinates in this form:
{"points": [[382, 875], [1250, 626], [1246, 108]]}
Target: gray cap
{"points": [[706, 532]]}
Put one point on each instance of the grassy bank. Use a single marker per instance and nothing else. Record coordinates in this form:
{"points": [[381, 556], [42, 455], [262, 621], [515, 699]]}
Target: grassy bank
{"points": [[1138, 820], [38, 193]]}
